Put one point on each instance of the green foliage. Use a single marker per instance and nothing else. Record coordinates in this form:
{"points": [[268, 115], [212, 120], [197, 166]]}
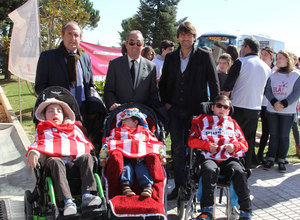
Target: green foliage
{"points": [[155, 19], [99, 86], [54, 14]]}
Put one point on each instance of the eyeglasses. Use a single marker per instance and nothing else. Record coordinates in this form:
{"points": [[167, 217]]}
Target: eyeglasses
{"points": [[132, 43], [219, 105]]}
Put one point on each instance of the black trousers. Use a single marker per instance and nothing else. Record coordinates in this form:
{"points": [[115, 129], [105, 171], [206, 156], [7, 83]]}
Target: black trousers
{"points": [[239, 179], [180, 121], [57, 168], [265, 131], [247, 120]]}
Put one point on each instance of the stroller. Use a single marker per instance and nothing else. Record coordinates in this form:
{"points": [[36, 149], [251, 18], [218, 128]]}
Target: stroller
{"points": [[42, 202], [135, 207], [188, 203]]}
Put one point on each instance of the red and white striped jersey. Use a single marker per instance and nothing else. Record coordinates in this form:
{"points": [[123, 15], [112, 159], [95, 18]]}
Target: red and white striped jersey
{"points": [[63, 140], [207, 129]]}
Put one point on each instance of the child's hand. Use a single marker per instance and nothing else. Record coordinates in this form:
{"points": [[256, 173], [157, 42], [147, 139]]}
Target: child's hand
{"points": [[213, 148], [163, 161], [102, 163], [32, 159], [229, 148]]}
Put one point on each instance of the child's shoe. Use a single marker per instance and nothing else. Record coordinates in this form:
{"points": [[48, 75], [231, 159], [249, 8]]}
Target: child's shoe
{"points": [[89, 200], [245, 215], [127, 191], [206, 213], [147, 192], [70, 208]]}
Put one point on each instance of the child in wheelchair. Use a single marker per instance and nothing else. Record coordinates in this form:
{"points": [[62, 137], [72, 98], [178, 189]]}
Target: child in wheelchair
{"points": [[133, 138], [60, 143], [222, 143]]}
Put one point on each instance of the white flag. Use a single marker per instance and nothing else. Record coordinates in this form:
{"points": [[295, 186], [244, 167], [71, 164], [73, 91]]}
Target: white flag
{"points": [[25, 41]]}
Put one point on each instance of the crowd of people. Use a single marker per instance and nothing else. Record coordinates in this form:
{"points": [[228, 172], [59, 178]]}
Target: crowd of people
{"points": [[174, 84]]}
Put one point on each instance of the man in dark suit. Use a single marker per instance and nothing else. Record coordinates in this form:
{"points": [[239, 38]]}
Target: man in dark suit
{"points": [[131, 78], [187, 73], [69, 67]]}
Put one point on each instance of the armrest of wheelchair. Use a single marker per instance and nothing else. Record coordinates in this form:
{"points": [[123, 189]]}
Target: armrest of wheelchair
{"points": [[38, 171], [96, 161]]}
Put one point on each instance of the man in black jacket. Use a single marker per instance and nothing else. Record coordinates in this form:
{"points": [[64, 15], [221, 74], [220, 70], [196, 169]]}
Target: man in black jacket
{"points": [[188, 78], [69, 67]]}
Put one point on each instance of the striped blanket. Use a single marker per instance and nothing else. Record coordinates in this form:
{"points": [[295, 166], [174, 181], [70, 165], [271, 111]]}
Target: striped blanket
{"points": [[133, 142]]}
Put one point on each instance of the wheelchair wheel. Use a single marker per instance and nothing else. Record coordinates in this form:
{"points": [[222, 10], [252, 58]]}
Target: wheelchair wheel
{"points": [[180, 209], [27, 206], [192, 207]]}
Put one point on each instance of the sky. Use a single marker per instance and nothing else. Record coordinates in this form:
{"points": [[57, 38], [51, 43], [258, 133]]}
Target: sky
{"points": [[274, 18]]}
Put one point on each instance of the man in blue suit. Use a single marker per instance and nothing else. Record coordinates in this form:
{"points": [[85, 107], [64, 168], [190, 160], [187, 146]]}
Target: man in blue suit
{"points": [[69, 67], [131, 78]]}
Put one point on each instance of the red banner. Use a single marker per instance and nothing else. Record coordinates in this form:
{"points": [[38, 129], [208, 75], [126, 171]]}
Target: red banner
{"points": [[100, 57]]}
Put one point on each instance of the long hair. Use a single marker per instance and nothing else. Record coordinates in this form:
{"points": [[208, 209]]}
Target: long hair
{"points": [[290, 65]]}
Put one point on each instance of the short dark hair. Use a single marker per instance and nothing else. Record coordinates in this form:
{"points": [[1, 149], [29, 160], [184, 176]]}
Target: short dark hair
{"points": [[165, 44], [187, 28], [252, 43], [222, 98]]}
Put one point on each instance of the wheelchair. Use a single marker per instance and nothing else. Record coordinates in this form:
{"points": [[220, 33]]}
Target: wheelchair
{"points": [[188, 203], [42, 202]]}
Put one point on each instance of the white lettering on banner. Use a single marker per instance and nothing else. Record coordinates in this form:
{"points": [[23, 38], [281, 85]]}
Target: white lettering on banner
{"points": [[106, 53]]}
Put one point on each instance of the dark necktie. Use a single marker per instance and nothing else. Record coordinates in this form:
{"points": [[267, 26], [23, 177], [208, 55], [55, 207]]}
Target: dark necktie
{"points": [[132, 71]]}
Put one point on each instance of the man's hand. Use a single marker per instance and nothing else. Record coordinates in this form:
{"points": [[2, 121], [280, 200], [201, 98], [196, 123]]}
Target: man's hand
{"points": [[229, 148], [168, 106], [115, 105], [163, 161], [32, 159], [213, 148]]}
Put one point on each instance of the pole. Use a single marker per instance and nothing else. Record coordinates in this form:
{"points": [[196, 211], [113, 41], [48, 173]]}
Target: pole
{"points": [[20, 106]]}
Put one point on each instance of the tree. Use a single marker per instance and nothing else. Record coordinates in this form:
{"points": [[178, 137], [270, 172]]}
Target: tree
{"points": [[53, 14], [156, 19]]}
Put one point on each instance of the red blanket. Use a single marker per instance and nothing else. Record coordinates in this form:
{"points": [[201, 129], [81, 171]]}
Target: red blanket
{"points": [[133, 142], [62, 140]]}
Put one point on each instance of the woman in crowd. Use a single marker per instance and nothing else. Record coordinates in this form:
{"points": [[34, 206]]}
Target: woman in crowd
{"points": [[267, 55], [282, 91], [233, 51], [149, 53]]}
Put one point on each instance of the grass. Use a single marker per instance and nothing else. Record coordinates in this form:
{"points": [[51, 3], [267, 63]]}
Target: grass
{"points": [[10, 88]]}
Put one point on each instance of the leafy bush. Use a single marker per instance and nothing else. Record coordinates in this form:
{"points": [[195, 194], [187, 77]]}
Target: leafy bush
{"points": [[99, 86]]}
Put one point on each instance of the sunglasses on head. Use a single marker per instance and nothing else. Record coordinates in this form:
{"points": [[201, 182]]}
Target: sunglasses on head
{"points": [[132, 43], [219, 105]]}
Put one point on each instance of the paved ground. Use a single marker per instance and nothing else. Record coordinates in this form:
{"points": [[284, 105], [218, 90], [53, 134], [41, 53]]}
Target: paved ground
{"points": [[274, 195]]}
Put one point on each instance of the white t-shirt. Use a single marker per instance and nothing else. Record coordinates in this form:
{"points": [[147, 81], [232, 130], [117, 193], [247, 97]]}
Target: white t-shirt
{"points": [[249, 87]]}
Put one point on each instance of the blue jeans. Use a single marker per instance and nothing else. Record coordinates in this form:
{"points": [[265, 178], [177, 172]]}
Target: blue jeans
{"points": [[280, 127], [141, 172]]}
